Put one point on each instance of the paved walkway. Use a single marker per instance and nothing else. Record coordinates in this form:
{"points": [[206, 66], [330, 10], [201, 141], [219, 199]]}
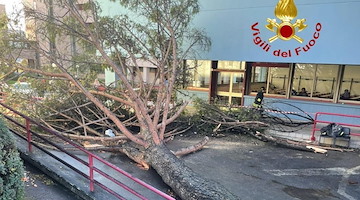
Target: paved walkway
{"points": [[38, 186], [79, 185]]}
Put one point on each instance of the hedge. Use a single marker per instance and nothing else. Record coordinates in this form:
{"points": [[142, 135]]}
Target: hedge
{"points": [[11, 167]]}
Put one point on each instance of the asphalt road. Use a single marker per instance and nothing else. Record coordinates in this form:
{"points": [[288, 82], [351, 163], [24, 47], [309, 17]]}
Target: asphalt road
{"points": [[254, 170]]}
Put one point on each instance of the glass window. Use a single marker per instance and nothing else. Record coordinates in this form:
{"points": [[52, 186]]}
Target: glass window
{"points": [[236, 65], [199, 73], [325, 81], [273, 79], [258, 78], [223, 84], [315, 80], [278, 80], [151, 74], [230, 82], [350, 87], [303, 79], [238, 82]]}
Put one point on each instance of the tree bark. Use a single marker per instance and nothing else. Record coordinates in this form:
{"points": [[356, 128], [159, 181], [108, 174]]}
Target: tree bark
{"points": [[183, 180]]}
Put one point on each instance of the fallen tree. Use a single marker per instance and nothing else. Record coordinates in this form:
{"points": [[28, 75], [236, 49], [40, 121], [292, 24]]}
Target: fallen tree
{"points": [[138, 110], [220, 119]]}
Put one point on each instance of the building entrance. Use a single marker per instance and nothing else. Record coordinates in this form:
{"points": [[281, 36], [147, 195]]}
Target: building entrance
{"points": [[230, 87]]}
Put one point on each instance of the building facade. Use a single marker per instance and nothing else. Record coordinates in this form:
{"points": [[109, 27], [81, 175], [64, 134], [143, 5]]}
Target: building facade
{"points": [[21, 49], [50, 42], [304, 53]]}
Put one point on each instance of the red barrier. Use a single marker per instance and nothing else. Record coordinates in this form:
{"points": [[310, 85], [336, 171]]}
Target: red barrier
{"points": [[89, 164], [316, 121], [2, 97]]}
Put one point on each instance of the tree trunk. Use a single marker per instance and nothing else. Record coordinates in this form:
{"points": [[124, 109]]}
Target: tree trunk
{"points": [[183, 180]]}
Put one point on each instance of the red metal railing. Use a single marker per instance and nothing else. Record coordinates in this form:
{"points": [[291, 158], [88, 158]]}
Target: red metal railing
{"points": [[91, 158], [2, 96], [316, 121]]}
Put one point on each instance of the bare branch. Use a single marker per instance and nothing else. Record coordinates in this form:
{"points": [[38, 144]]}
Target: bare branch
{"points": [[191, 149]]}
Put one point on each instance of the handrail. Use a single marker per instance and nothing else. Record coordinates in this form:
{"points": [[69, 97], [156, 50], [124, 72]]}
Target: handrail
{"points": [[89, 164], [2, 96], [328, 122]]}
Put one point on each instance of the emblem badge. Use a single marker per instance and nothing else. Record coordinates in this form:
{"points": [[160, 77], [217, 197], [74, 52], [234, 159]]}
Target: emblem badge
{"points": [[286, 11]]}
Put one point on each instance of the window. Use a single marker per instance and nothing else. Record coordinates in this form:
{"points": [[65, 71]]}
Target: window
{"points": [[31, 63], [273, 79], [350, 83], [223, 84], [315, 80], [235, 65], [325, 81], [199, 73], [278, 80], [230, 82], [258, 78], [303, 79], [238, 81], [149, 74]]}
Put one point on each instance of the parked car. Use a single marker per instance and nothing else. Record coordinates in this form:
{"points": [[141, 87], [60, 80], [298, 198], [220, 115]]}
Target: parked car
{"points": [[25, 88], [22, 87]]}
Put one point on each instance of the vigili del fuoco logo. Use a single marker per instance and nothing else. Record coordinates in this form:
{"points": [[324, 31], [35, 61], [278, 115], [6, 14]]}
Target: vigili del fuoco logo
{"points": [[286, 30]]}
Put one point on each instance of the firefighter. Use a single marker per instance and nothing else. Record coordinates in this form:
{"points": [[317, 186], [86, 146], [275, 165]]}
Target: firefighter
{"points": [[259, 98]]}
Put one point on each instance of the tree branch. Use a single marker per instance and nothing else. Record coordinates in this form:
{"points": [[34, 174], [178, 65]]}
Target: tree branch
{"points": [[193, 148]]}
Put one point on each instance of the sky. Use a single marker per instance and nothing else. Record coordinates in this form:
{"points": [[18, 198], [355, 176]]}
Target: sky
{"points": [[11, 6]]}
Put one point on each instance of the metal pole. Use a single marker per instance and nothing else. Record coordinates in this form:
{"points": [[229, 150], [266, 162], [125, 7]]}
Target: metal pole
{"points": [[91, 168], [28, 133], [314, 127]]}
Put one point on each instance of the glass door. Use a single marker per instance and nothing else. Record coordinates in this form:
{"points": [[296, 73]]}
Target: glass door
{"points": [[230, 87]]}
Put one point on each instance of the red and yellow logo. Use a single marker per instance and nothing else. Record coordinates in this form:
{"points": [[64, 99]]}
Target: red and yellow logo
{"points": [[286, 11], [286, 30]]}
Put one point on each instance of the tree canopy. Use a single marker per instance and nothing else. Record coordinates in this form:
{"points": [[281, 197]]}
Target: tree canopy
{"points": [[73, 41]]}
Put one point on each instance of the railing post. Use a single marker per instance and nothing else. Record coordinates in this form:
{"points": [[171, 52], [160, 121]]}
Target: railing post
{"points": [[313, 129], [28, 133], [91, 168]]}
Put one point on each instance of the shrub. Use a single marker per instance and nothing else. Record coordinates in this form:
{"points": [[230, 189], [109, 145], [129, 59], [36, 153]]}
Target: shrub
{"points": [[11, 167]]}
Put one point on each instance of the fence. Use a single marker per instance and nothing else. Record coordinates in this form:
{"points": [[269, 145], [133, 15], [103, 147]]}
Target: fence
{"points": [[2, 96], [336, 116], [91, 157]]}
